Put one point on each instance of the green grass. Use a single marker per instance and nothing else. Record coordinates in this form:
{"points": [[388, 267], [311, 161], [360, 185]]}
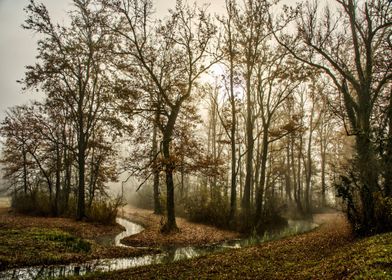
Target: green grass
{"points": [[32, 246], [61, 239], [368, 258]]}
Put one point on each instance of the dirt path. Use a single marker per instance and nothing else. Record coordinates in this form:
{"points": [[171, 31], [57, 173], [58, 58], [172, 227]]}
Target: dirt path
{"points": [[189, 234]]}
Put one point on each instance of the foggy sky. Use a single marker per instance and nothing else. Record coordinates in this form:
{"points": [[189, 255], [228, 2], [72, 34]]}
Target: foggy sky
{"points": [[17, 49], [18, 46]]}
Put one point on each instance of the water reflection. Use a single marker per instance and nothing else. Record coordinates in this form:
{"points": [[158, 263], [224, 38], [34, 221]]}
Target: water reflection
{"points": [[168, 255], [130, 229]]}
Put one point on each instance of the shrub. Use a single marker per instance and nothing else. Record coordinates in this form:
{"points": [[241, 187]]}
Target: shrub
{"points": [[199, 208], [383, 212], [104, 211], [35, 203], [71, 210], [351, 190]]}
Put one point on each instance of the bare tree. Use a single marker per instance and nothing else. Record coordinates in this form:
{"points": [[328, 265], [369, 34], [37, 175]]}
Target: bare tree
{"points": [[171, 56], [275, 83], [325, 42], [71, 69]]}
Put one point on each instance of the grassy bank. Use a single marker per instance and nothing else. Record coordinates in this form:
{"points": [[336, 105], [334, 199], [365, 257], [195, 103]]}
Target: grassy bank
{"points": [[329, 252], [40, 246], [27, 241]]}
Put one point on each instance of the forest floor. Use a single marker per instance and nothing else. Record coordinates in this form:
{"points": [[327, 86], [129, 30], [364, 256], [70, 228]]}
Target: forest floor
{"points": [[29, 240], [189, 233], [328, 252]]}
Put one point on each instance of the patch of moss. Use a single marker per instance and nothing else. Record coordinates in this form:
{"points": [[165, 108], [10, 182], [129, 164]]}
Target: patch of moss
{"points": [[62, 239]]}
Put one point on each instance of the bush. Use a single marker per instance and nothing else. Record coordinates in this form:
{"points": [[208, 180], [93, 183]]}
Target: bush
{"points": [[351, 191], [200, 209], [383, 212], [36, 203], [270, 220], [104, 211], [70, 210]]}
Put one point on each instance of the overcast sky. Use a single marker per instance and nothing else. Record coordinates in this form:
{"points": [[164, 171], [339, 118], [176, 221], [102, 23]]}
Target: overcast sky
{"points": [[18, 46]]}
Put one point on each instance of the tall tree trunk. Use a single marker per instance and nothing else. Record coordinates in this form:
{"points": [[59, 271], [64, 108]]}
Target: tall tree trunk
{"points": [[157, 201], [25, 183], [249, 152], [213, 183], [299, 177], [388, 155], [58, 181], [91, 185], [263, 169], [293, 168], [240, 177], [309, 165], [233, 132], [68, 173], [169, 167], [368, 173], [256, 176], [233, 182], [287, 173], [323, 162], [81, 176], [366, 160], [231, 43]]}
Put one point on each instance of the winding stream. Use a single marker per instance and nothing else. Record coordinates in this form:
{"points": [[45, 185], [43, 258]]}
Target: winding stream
{"points": [[167, 255]]}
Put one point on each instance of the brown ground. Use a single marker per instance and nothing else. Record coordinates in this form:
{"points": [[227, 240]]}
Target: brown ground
{"points": [[189, 234]]}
